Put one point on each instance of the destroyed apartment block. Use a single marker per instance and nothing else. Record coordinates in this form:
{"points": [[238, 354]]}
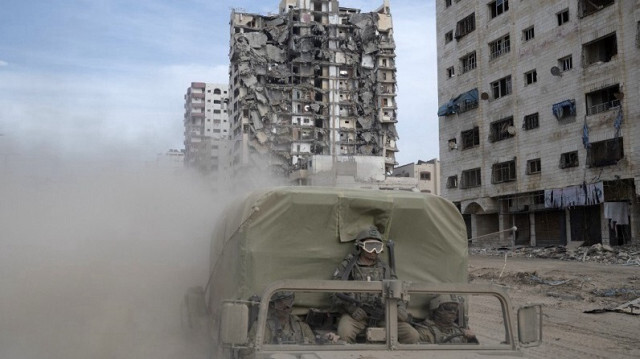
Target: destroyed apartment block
{"points": [[314, 80]]}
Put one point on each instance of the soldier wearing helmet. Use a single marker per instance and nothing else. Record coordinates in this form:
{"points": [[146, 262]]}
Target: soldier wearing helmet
{"points": [[442, 327], [362, 310], [286, 328]]}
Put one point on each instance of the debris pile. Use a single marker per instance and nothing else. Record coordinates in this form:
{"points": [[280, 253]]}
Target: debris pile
{"points": [[313, 80], [621, 255]]}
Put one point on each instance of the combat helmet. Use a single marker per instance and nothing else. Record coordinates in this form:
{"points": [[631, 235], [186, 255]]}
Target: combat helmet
{"points": [[281, 295], [370, 233], [444, 298]]}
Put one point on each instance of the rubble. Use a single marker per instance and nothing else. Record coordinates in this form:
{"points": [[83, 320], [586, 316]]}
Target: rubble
{"points": [[618, 255], [320, 67]]}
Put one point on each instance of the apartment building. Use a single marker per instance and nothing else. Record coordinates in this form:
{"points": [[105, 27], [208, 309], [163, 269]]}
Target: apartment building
{"points": [[425, 173], [206, 128], [539, 118], [313, 84]]}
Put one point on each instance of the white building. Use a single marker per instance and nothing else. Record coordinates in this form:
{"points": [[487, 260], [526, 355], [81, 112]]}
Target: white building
{"points": [[425, 173], [206, 128], [539, 118]]}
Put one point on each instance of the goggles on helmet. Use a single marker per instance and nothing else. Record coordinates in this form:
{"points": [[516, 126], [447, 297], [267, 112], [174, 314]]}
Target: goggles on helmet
{"points": [[372, 245], [449, 307]]}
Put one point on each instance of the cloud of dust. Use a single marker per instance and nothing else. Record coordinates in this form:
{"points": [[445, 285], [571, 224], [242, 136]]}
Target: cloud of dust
{"points": [[95, 257]]}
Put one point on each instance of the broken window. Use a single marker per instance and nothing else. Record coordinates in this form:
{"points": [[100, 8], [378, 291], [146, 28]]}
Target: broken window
{"points": [[563, 17], [588, 7], [453, 144], [499, 47], [565, 63], [471, 178], [470, 138], [600, 50], [501, 87], [569, 159], [450, 72], [503, 172], [465, 26], [452, 182], [530, 77], [528, 34], [603, 100], [534, 166], [530, 121], [502, 129], [605, 153], [468, 62], [448, 37], [425, 176], [498, 7]]}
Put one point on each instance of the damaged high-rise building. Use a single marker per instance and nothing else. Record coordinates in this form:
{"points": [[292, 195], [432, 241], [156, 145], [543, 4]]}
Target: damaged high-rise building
{"points": [[313, 80]]}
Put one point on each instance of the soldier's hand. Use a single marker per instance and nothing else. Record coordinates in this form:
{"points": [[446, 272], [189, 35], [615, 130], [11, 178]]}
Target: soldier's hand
{"points": [[359, 314]]}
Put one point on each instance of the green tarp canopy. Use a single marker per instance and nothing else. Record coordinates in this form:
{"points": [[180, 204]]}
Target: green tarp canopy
{"points": [[305, 232]]}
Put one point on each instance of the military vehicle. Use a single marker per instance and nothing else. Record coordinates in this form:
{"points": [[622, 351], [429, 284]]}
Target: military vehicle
{"points": [[293, 238]]}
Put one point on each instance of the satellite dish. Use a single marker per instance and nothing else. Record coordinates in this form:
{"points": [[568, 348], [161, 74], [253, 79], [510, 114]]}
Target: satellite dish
{"points": [[555, 71], [511, 130], [484, 96]]}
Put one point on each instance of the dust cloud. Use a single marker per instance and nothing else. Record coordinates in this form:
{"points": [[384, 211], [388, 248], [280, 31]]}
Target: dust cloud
{"points": [[95, 258]]}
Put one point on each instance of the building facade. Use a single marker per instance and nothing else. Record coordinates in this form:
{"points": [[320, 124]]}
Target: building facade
{"points": [[539, 117], [426, 174], [315, 79], [206, 128]]}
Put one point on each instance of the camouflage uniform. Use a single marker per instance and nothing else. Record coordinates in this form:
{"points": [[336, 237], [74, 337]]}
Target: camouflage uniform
{"points": [[348, 326], [432, 333], [294, 331]]}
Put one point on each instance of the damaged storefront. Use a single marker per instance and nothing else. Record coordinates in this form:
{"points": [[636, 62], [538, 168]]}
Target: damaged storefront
{"points": [[315, 79]]}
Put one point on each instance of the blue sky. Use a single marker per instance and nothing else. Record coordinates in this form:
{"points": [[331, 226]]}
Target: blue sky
{"points": [[97, 77]]}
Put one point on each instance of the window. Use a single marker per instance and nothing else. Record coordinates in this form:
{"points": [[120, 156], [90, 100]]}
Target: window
{"points": [[569, 159], [603, 100], [600, 50], [471, 178], [534, 166], [498, 7], [499, 47], [470, 138], [588, 7], [465, 26], [530, 77], [530, 122], [425, 176], [605, 153], [528, 34], [447, 3], [448, 37], [564, 109], [452, 182], [216, 91], [502, 129], [453, 144], [563, 17], [450, 72], [565, 63], [503, 172], [468, 62], [501, 87]]}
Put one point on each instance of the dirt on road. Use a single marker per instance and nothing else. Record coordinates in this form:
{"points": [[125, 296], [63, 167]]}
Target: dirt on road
{"points": [[567, 289]]}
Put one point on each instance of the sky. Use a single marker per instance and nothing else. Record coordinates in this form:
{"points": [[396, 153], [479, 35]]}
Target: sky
{"points": [[89, 78]]}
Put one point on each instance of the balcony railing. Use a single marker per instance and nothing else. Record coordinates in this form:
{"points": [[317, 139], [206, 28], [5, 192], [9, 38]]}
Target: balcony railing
{"points": [[602, 107]]}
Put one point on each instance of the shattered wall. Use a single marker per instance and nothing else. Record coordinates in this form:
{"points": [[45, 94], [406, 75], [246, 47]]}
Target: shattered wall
{"points": [[313, 80]]}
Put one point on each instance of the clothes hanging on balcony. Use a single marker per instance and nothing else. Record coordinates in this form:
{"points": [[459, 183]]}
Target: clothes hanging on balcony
{"points": [[565, 108]]}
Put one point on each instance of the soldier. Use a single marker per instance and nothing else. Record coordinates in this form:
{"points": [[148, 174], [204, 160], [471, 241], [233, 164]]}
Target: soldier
{"points": [[364, 309], [444, 310], [286, 328]]}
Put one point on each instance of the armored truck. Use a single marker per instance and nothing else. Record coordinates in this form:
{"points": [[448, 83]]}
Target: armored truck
{"points": [[291, 239]]}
